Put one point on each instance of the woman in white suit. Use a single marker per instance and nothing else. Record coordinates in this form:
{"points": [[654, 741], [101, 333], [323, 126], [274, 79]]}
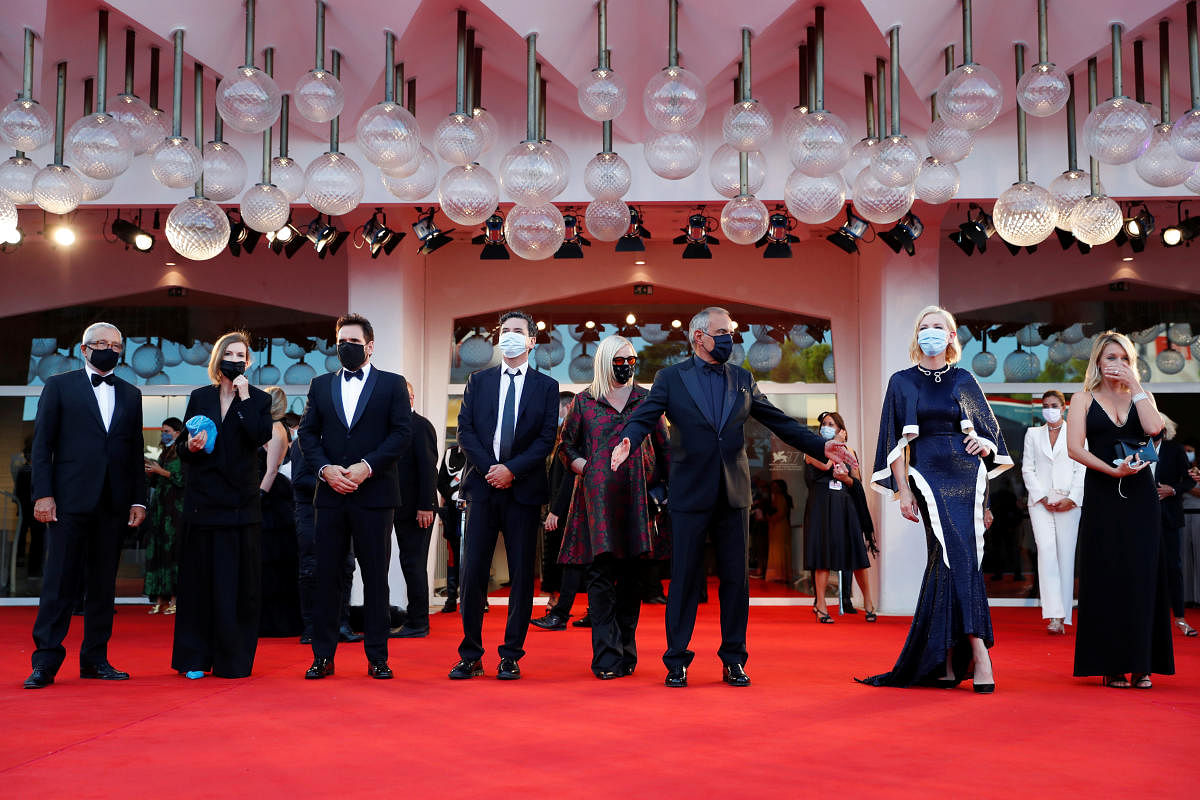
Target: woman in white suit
{"points": [[1055, 486]]}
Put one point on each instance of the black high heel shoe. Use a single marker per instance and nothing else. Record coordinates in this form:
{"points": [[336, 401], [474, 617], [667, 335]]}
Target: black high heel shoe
{"points": [[871, 617], [822, 616]]}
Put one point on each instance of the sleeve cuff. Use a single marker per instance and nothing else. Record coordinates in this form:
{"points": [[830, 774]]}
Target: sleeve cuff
{"points": [[370, 471], [139, 505], [321, 473]]}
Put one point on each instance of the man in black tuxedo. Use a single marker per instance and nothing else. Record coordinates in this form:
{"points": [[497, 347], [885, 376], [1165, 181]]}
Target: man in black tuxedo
{"points": [[707, 403], [414, 522], [89, 483], [356, 427], [506, 426], [1173, 480]]}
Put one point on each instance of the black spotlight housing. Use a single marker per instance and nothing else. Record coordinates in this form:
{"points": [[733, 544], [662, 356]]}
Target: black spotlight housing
{"points": [[1182, 232], [378, 237], [132, 235], [573, 239], [851, 231], [428, 232], [696, 237], [777, 239], [903, 236], [1140, 225], [631, 241], [492, 240]]}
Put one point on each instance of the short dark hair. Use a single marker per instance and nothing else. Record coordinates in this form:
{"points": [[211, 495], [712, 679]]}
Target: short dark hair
{"points": [[565, 395], [530, 325], [356, 319], [291, 419], [174, 423]]}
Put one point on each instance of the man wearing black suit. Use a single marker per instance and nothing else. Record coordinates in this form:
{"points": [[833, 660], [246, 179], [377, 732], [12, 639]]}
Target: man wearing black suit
{"points": [[506, 426], [90, 483], [356, 426], [1173, 479], [707, 403], [414, 522]]}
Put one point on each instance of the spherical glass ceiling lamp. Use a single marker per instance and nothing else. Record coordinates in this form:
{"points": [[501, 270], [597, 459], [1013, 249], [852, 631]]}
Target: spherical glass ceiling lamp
{"points": [[813, 200], [1025, 214], [249, 100], [1170, 361], [530, 174], [197, 229], [947, 143], [534, 232], [389, 136], [1029, 336], [607, 176], [818, 143], [602, 95], [1160, 165], [1067, 190], [224, 171], [489, 129], [562, 166], [1192, 182], [724, 170], [606, 220], [896, 161], [456, 139], [1060, 352], [333, 184], [1118, 130], [878, 203], [57, 189], [1185, 135], [791, 122], [744, 219], [99, 146], [288, 176], [764, 355], [176, 163], [937, 181], [674, 155], [747, 126], [1096, 220], [8, 217], [16, 179], [860, 155], [265, 208], [1021, 366], [139, 120], [674, 100], [319, 96], [970, 97], [1043, 90], [468, 195], [26, 125], [419, 184], [94, 189]]}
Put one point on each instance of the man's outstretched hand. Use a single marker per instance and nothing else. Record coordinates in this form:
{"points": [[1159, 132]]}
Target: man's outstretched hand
{"points": [[619, 454], [838, 452]]}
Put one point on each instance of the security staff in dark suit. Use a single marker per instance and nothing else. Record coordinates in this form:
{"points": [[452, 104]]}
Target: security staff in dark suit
{"points": [[506, 426], [707, 403], [356, 426], [1173, 481], [414, 522], [89, 484]]}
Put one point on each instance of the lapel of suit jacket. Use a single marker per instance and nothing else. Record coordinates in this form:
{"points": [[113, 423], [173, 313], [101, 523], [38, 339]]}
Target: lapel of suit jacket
{"points": [[487, 408], [368, 387], [730, 394], [335, 391], [527, 392], [687, 374], [90, 397], [1048, 448], [122, 398]]}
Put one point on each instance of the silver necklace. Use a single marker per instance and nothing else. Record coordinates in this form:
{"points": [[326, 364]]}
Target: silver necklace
{"points": [[936, 373]]}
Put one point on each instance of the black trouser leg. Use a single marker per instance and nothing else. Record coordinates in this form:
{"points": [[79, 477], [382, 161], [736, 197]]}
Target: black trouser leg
{"points": [[192, 648], [1173, 556], [729, 533], [236, 598], [100, 586], [371, 531], [552, 571], [614, 605], [574, 580], [689, 529], [306, 546], [629, 607], [479, 544], [332, 546], [519, 523], [412, 541], [453, 545]]}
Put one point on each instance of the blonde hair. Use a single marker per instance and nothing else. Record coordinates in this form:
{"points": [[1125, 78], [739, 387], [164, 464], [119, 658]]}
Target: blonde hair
{"points": [[1169, 426], [603, 378], [278, 402], [953, 349], [214, 358], [1092, 378]]}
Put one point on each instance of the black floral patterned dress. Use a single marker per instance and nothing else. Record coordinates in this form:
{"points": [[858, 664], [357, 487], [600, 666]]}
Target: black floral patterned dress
{"points": [[166, 516]]}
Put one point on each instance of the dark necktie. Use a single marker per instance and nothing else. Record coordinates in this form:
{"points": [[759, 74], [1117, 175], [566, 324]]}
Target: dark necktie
{"points": [[347, 374], [99, 379], [508, 419]]}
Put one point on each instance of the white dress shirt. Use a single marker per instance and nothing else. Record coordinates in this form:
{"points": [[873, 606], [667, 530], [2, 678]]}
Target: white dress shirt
{"points": [[519, 382], [352, 391], [106, 395]]}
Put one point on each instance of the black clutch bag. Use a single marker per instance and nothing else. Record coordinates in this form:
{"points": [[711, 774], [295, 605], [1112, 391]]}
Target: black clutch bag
{"points": [[1142, 450]]}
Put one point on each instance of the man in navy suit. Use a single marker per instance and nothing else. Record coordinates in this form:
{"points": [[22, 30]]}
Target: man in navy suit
{"points": [[356, 426], [707, 402], [506, 427], [89, 482]]}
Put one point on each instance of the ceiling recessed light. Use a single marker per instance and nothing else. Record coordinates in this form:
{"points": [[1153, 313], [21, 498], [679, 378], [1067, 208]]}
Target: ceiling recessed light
{"points": [[639, 262], [170, 263], [1127, 258]]}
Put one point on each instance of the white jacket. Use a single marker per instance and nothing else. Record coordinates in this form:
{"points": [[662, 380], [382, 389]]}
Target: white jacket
{"points": [[1044, 467]]}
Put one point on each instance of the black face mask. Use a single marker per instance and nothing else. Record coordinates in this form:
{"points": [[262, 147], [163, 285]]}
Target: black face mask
{"points": [[104, 360], [623, 373], [231, 369], [351, 354], [722, 347]]}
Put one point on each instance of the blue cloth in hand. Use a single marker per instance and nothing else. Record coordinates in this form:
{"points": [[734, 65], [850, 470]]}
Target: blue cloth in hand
{"points": [[202, 423]]}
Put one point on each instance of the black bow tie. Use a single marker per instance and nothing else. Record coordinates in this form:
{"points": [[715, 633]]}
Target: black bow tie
{"points": [[716, 369], [99, 379], [347, 374]]}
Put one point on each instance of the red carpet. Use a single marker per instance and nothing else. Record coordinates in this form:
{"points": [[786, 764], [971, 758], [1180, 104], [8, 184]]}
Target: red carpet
{"points": [[803, 727]]}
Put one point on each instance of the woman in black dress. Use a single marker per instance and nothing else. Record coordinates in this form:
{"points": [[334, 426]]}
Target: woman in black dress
{"points": [[1124, 614], [280, 555], [165, 475], [216, 627]]}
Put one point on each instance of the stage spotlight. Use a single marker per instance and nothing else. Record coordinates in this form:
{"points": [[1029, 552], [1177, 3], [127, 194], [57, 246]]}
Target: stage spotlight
{"points": [[1014, 249], [492, 240], [1140, 225], [696, 238], [903, 236], [277, 239], [132, 235], [631, 242], [777, 239], [1172, 236], [295, 244], [428, 232], [979, 228], [335, 244], [63, 235], [573, 239], [1182, 232], [378, 237], [847, 236], [14, 237], [237, 234], [320, 233]]}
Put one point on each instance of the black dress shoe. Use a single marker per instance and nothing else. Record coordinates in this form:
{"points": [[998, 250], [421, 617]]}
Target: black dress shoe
{"points": [[656, 600], [508, 670], [607, 676], [306, 638], [380, 670], [676, 677], [466, 669], [550, 622], [405, 632], [451, 607], [321, 668], [103, 672], [735, 675], [625, 670], [39, 679], [583, 622], [347, 635]]}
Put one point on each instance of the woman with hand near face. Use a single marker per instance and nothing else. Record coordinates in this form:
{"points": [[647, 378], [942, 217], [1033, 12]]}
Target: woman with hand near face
{"points": [[939, 444], [1124, 614], [220, 562]]}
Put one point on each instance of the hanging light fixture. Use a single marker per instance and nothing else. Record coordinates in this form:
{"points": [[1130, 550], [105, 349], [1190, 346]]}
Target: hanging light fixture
{"points": [[197, 228], [864, 149], [485, 123], [602, 96], [573, 239], [265, 207], [904, 235], [851, 231], [876, 200], [388, 133], [1185, 133], [418, 183], [249, 99], [93, 189], [674, 102], [896, 161], [467, 193], [819, 142], [747, 127], [984, 363], [778, 239], [947, 143], [284, 171], [631, 240], [318, 93], [492, 240], [333, 182], [696, 236], [796, 114], [970, 97], [56, 187], [224, 167], [25, 124], [1024, 213], [97, 144], [1096, 218], [1118, 130], [175, 161], [607, 177], [145, 128], [428, 232], [816, 199], [1160, 165], [1043, 90], [937, 180], [456, 139], [1074, 184]]}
